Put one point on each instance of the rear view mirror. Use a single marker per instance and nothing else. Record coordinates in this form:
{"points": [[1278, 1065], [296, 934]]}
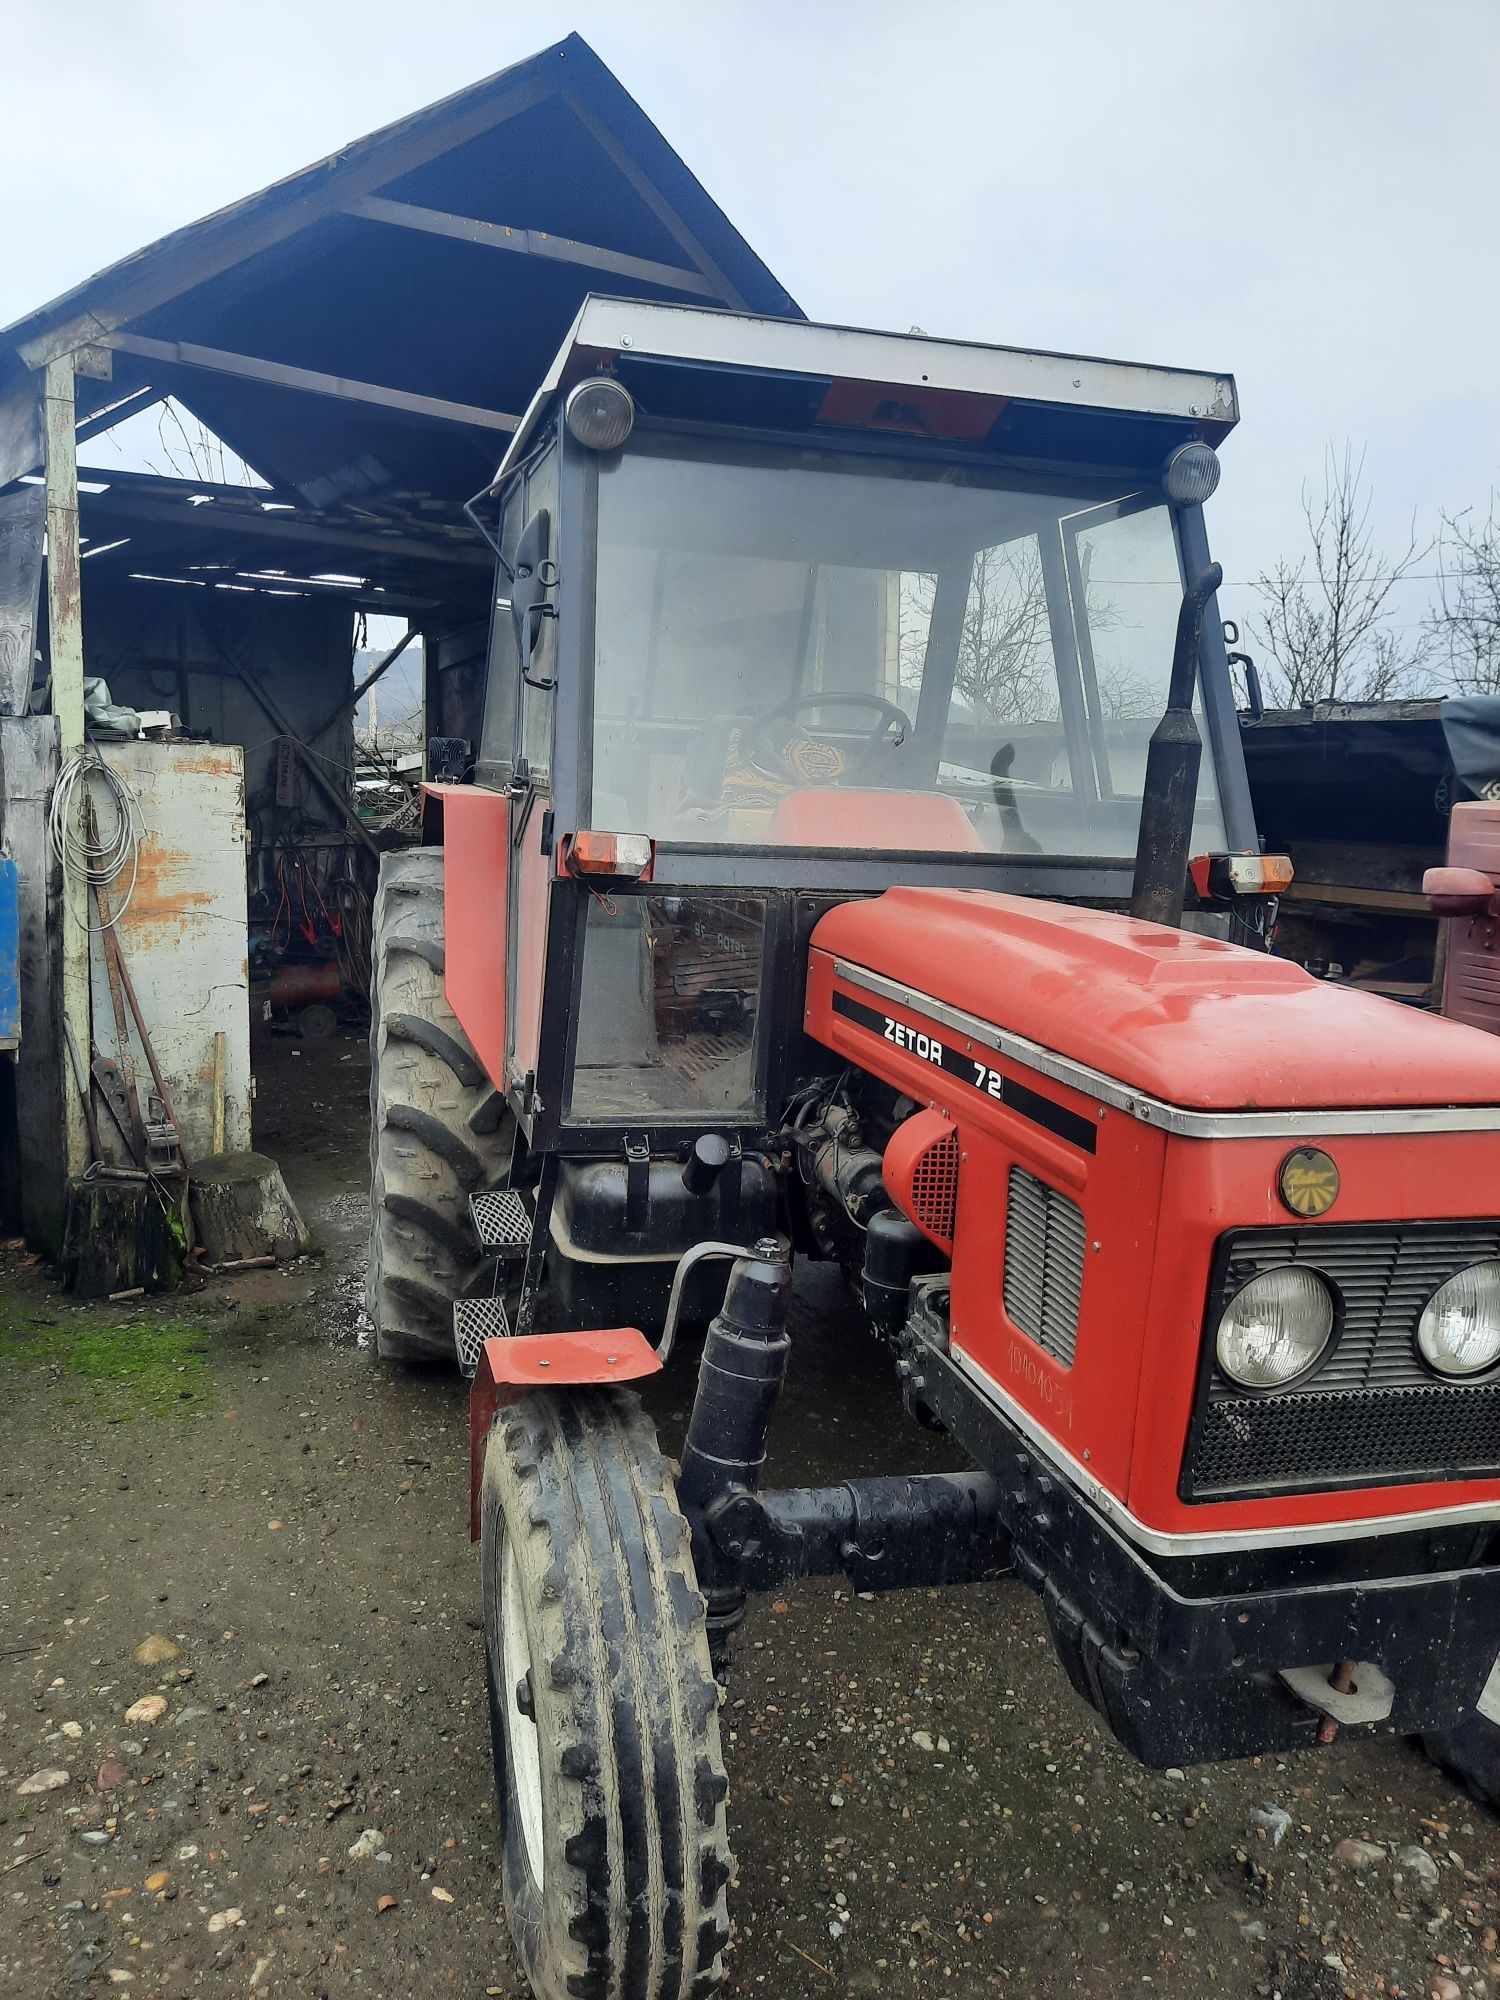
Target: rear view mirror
{"points": [[1458, 892], [535, 575]]}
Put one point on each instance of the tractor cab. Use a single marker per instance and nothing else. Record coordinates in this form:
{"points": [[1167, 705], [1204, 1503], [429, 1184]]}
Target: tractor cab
{"points": [[788, 614]]}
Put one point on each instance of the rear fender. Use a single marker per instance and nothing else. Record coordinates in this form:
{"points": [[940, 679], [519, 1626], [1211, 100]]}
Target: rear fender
{"points": [[474, 826]]}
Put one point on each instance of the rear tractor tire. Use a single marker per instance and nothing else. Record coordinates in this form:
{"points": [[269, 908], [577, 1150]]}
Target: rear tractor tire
{"points": [[439, 1130], [603, 1707]]}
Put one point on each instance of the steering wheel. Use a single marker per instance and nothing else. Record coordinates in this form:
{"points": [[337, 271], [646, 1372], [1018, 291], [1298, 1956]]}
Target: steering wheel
{"points": [[827, 765]]}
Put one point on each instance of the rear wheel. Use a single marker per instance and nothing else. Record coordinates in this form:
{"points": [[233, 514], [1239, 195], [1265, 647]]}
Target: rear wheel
{"points": [[439, 1131], [603, 1707]]}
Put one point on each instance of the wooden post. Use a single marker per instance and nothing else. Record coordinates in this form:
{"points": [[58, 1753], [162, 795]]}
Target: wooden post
{"points": [[65, 644]]}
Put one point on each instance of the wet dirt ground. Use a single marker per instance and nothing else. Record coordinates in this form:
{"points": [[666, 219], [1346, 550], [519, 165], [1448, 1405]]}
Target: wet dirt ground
{"points": [[919, 1805]]}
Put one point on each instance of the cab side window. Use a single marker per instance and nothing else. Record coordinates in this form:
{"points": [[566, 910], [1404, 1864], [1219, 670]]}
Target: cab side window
{"points": [[534, 724], [518, 718]]}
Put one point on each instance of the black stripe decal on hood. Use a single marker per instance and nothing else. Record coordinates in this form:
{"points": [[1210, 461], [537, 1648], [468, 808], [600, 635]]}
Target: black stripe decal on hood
{"points": [[979, 1076]]}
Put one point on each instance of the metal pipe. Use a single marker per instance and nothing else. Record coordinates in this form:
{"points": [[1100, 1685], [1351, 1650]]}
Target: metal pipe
{"points": [[1170, 792], [685, 1266]]}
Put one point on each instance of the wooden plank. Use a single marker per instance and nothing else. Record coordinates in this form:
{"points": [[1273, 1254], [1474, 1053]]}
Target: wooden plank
{"points": [[125, 504], [311, 381], [528, 243], [43, 1084], [20, 432], [65, 658], [23, 525], [1364, 864], [206, 249], [1355, 898]]}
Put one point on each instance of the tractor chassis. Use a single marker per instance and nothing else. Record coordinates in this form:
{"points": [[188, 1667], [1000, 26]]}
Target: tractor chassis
{"points": [[1231, 1625]]}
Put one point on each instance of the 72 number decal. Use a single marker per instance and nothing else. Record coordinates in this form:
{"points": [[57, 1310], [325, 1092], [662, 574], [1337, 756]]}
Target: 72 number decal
{"points": [[988, 1080]]}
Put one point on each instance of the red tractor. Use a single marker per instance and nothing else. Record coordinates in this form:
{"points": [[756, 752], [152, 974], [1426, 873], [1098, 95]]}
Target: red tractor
{"points": [[856, 730]]}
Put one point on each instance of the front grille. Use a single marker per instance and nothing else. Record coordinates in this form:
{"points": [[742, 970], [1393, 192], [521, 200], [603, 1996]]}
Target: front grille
{"points": [[1373, 1413], [1356, 1435], [1043, 1265]]}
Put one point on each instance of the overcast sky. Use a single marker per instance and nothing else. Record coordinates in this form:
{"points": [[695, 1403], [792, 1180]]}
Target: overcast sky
{"points": [[1304, 194]]}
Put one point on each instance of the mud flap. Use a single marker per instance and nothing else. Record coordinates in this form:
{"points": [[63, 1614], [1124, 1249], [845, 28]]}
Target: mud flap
{"points": [[505, 1369]]}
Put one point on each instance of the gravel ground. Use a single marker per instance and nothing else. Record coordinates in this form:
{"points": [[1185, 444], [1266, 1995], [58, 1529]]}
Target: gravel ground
{"points": [[224, 1508]]}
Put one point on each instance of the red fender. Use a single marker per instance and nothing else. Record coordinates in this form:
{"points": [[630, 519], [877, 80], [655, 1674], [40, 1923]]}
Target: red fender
{"points": [[509, 1368]]}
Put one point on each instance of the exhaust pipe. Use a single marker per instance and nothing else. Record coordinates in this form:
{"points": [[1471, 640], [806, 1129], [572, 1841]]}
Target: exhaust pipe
{"points": [[1171, 787]]}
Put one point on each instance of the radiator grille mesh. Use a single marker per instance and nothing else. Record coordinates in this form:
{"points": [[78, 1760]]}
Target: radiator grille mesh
{"points": [[1044, 1242], [1349, 1437], [934, 1188]]}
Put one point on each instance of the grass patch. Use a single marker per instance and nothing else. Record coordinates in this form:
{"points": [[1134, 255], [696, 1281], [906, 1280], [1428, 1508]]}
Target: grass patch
{"points": [[122, 1367]]}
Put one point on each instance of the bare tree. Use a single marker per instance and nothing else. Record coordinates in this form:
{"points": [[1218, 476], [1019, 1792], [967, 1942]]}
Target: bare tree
{"points": [[192, 451], [1465, 622], [1004, 668], [1326, 620]]}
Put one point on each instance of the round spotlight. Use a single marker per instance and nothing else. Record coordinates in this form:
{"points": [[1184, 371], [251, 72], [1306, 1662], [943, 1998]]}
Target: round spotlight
{"points": [[1191, 474], [1459, 1331], [600, 413], [1276, 1328]]}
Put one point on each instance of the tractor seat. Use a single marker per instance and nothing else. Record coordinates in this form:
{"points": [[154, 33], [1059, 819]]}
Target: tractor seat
{"points": [[846, 816]]}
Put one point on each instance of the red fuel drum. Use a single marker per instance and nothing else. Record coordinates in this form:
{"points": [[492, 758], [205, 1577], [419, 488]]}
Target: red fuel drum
{"points": [[1160, 1080]]}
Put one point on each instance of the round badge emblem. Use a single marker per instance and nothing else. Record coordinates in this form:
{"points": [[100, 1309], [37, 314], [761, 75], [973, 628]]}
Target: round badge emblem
{"points": [[1309, 1181]]}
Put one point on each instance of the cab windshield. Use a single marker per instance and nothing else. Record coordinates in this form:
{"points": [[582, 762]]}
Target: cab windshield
{"points": [[777, 627]]}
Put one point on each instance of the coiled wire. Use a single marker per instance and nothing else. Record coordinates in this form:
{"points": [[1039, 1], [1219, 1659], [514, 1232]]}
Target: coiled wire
{"points": [[98, 852]]}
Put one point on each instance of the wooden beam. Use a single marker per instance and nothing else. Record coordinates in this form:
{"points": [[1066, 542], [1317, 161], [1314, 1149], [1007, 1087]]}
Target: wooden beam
{"points": [[207, 249], [311, 381], [529, 243], [65, 660], [129, 504], [128, 405], [356, 695], [649, 193]]}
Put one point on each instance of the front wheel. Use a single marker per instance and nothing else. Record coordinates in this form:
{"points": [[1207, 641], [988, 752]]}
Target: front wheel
{"points": [[603, 1707]]}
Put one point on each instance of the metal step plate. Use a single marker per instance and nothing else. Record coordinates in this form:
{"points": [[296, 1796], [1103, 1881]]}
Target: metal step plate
{"points": [[474, 1322], [502, 1222]]}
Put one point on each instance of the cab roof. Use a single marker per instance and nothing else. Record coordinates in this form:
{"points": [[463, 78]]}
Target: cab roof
{"points": [[687, 363]]}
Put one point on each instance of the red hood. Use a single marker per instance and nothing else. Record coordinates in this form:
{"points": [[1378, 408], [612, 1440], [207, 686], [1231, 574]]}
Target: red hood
{"points": [[1187, 1019]]}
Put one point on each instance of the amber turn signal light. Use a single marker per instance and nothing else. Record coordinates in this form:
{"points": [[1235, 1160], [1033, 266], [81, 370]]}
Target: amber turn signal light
{"points": [[1223, 878], [624, 857]]}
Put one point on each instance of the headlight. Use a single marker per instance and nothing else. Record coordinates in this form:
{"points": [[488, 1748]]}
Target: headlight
{"points": [[1275, 1329], [1459, 1332]]}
